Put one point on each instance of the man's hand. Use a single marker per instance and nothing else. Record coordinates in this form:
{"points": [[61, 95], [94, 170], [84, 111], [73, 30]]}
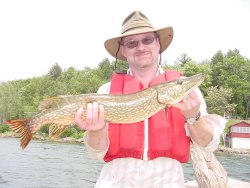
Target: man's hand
{"points": [[190, 105], [94, 117]]}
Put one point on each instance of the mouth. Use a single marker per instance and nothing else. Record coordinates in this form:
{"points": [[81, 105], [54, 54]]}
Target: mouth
{"points": [[142, 53]]}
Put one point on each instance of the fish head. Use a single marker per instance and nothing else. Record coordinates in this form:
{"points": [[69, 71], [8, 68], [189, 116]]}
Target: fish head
{"points": [[174, 91]]}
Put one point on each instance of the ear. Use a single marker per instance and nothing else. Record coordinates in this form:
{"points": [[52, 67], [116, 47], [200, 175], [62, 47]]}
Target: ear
{"points": [[122, 50]]}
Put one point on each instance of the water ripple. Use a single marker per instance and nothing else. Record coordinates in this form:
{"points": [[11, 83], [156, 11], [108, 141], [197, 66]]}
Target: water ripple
{"points": [[46, 164]]}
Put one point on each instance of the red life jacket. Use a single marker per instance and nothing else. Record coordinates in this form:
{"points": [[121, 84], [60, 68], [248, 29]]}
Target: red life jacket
{"points": [[166, 131]]}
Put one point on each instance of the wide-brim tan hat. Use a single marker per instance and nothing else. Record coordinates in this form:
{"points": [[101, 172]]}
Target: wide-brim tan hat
{"points": [[137, 23]]}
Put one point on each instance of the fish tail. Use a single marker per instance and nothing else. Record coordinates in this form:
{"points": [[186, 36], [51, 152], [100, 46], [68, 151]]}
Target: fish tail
{"points": [[21, 127]]}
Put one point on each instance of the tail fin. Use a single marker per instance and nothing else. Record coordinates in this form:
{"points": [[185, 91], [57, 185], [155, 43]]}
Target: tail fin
{"points": [[20, 126]]}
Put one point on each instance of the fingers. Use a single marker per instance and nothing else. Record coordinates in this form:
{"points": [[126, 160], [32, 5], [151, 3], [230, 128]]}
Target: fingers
{"points": [[93, 113], [194, 96], [191, 100], [190, 105], [89, 113], [94, 117], [78, 117], [101, 114]]}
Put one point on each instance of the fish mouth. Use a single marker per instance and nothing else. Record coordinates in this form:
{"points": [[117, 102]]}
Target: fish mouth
{"points": [[174, 91]]}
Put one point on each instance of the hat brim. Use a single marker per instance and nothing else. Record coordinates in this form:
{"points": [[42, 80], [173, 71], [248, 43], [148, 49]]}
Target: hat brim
{"points": [[165, 35]]}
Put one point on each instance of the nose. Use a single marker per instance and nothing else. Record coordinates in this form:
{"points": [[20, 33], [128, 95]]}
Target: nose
{"points": [[140, 45]]}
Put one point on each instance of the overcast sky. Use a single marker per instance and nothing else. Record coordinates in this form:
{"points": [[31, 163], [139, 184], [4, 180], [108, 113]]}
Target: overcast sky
{"points": [[35, 34]]}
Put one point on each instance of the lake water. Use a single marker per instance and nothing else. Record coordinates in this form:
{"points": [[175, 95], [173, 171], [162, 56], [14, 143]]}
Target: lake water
{"points": [[46, 164]]}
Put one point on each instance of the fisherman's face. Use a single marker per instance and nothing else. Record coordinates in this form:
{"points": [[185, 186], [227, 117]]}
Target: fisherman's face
{"points": [[141, 50]]}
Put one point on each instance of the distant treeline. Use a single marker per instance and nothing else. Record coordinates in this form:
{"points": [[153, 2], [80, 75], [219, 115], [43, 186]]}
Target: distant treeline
{"points": [[226, 88]]}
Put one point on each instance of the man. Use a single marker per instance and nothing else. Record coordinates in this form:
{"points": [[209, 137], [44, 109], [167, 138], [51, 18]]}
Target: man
{"points": [[149, 153]]}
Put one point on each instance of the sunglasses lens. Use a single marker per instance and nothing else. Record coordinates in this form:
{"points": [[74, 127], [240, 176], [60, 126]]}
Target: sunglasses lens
{"points": [[134, 43], [131, 44], [147, 40]]}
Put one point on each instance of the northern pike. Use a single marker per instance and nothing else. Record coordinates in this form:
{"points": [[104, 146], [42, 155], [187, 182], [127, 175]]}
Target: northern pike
{"points": [[59, 111]]}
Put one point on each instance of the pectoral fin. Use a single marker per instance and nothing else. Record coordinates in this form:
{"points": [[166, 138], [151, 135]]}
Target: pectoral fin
{"points": [[56, 130]]}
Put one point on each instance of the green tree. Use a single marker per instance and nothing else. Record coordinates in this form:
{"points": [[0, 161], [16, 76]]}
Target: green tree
{"points": [[10, 100], [184, 58], [106, 68], [120, 66], [55, 71], [216, 69], [66, 81], [218, 57], [218, 101], [233, 71], [86, 81], [233, 53], [192, 68]]}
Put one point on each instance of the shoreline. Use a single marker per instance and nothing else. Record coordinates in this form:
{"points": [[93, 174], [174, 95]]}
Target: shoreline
{"points": [[227, 150], [221, 149]]}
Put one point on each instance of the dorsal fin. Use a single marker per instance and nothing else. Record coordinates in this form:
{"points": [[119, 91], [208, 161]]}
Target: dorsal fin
{"points": [[50, 103]]}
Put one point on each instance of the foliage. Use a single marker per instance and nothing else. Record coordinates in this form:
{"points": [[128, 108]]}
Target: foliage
{"points": [[233, 71], [11, 100], [55, 71], [227, 71], [106, 69], [44, 130], [120, 66], [4, 128], [73, 132], [226, 86], [184, 59], [218, 101], [192, 68], [176, 67]]}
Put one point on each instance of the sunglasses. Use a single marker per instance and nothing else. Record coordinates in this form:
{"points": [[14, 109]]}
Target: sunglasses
{"points": [[134, 43]]}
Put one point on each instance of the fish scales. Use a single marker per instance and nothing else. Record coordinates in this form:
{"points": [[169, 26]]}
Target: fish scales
{"points": [[59, 112]]}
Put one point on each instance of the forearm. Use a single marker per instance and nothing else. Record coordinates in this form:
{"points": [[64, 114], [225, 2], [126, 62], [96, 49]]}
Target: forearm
{"points": [[201, 132], [98, 140]]}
